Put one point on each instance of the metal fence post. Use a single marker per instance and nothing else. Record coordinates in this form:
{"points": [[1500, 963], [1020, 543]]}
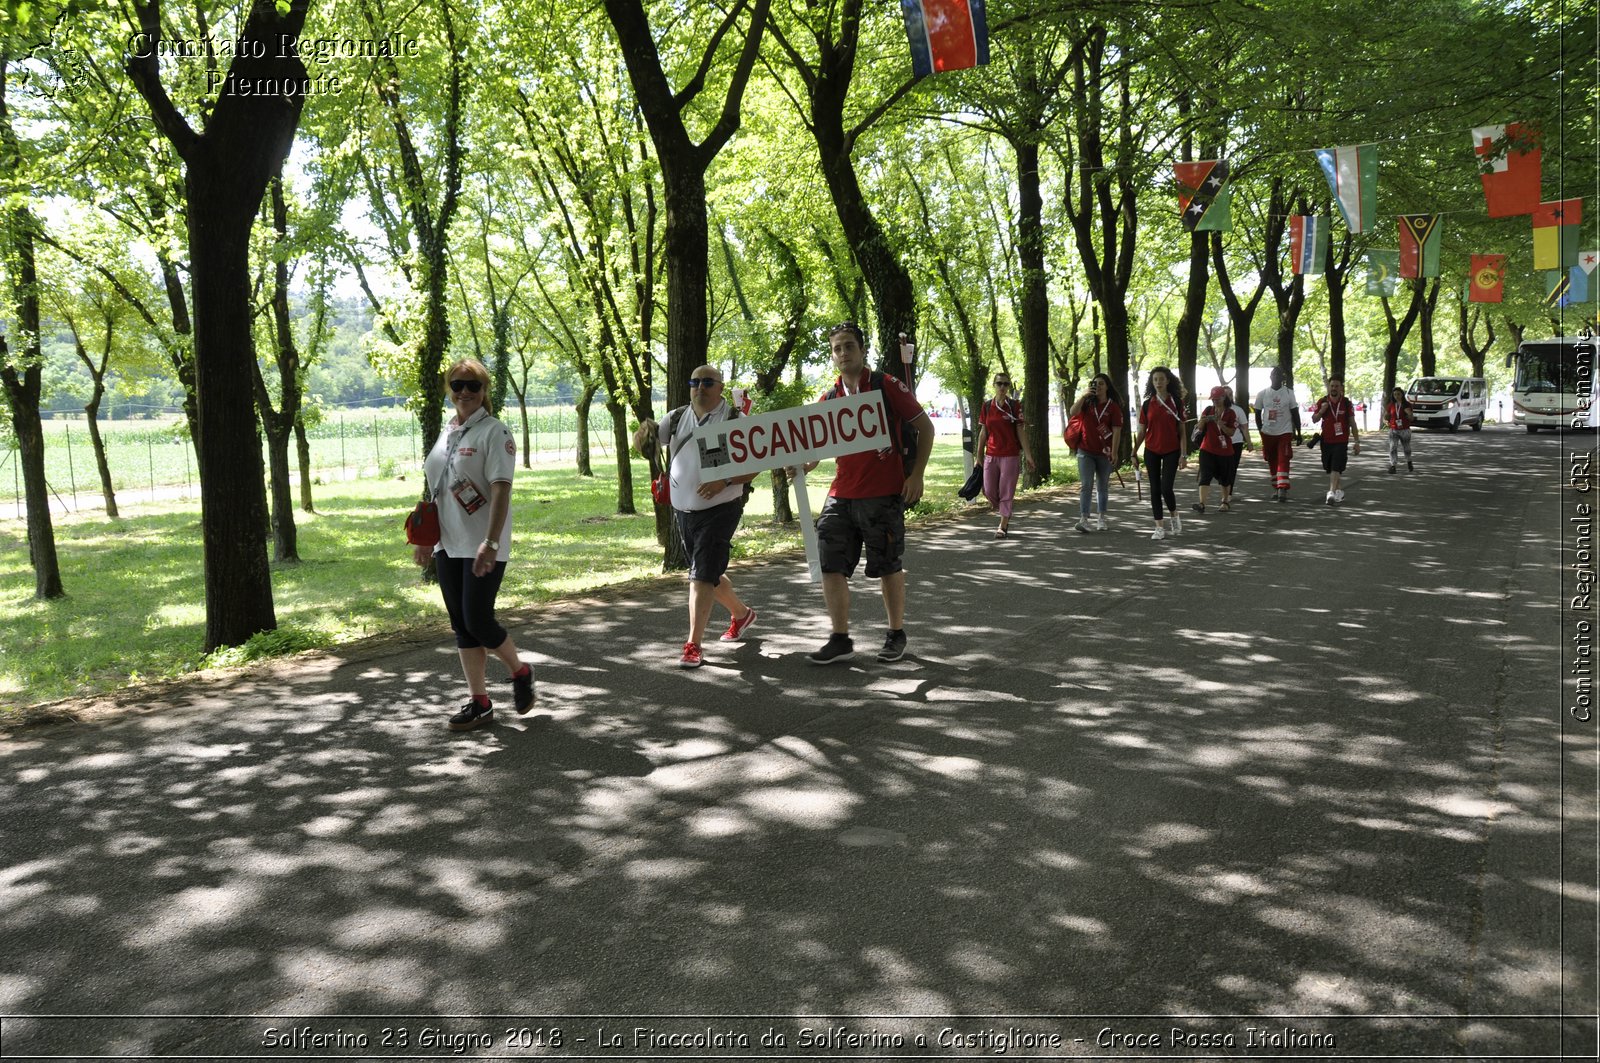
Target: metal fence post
{"points": [[72, 474], [150, 452], [344, 469], [377, 451]]}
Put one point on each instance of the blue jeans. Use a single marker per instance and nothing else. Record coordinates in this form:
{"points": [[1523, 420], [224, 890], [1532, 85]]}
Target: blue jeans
{"points": [[1092, 469]]}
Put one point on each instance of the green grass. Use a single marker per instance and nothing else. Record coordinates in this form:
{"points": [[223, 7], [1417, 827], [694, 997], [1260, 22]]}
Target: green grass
{"points": [[135, 605]]}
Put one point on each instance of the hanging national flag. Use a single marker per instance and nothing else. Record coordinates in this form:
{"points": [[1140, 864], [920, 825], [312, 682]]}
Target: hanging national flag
{"points": [[1557, 283], [1419, 245], [1352, 174], [1577, 287], [1204, 195], [1383, 272], [1509, 166], [1555, 234], [1487, 279], [1587, 260], [1308, 242], [946, 34]]}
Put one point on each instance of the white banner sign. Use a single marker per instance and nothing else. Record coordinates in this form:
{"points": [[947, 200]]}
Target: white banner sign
{"points": [[794, 436]]}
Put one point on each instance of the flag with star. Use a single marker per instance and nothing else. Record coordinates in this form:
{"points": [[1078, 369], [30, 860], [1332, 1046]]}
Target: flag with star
{"points": [[1487, 279], [1204, 195], [1419, 245], [946, 34], [1308, 242], [1509, 166], [1555, 234], [1587, 260], [1352, 174], [1383, 272]]}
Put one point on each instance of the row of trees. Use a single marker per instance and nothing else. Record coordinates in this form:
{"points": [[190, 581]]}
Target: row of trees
{"points": [[630, 189]]}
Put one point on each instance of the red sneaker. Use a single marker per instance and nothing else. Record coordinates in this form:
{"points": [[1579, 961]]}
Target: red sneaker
{"points": [[737, 628], [691, 656]]}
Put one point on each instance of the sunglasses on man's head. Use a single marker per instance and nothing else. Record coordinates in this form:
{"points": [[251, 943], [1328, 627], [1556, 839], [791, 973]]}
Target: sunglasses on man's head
{"points": [[702, 381], [473, 386]]}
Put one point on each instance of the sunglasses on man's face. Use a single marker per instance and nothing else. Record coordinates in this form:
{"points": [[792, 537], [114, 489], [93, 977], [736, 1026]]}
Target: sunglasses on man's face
{"points": [[702, 382], [473, 386], [1002, 383]]}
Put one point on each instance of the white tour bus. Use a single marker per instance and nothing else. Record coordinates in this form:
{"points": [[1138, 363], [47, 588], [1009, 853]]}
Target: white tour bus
{"points": [[1545, 391]]}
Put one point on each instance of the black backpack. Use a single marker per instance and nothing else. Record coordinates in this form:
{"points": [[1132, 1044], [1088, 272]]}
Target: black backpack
{"points": [[908, 452]]}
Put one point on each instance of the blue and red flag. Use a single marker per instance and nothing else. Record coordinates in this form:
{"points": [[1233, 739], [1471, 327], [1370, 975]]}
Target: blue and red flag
{"points": [[946, 35]]}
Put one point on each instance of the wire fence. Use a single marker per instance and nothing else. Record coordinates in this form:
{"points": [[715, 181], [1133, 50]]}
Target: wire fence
{"points": [[154, 459]]}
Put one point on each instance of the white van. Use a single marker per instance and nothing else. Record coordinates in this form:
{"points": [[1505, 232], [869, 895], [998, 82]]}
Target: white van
{"points": [[1448, 401]]}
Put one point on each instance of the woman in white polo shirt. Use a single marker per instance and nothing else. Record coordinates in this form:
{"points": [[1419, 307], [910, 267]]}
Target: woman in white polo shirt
{"points": [[469, 471]]}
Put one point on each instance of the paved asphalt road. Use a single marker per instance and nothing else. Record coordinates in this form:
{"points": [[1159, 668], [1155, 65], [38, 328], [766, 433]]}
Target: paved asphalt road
{"points": [[1303, 768]]}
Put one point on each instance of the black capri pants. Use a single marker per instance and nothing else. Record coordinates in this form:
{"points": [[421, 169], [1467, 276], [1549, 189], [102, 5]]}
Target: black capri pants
{"points": [[1162, 471], [469, 600]]}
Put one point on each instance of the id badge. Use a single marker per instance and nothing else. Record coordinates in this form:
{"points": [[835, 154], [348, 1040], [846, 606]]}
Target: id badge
{"points": [[1272, 415], [467, 494], [1338, 429]]}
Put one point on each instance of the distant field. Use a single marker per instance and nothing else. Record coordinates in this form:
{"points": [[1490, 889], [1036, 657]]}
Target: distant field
{"points": [[152, 455]]}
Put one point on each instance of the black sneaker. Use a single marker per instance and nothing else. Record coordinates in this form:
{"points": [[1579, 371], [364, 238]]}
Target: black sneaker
{"points": [[1410, 467], [522, 691], [472, 716], [894, 646], [837, 648]]}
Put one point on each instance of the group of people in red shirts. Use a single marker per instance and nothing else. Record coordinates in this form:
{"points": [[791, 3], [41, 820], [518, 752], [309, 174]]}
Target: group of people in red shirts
{"points": [[1220, 435]]}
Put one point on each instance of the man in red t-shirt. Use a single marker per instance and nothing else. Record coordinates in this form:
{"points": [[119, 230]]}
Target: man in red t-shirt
{"points": [[1339, 435], [866, 504]]}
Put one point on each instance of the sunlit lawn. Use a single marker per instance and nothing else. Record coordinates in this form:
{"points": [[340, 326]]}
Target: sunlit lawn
{"points": [[135, 599]]}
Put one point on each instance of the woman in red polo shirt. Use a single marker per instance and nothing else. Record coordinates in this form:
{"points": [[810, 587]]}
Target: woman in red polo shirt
{"points": [[1100, 412], [1004, 448], [1161, 435], [1397, 416]]}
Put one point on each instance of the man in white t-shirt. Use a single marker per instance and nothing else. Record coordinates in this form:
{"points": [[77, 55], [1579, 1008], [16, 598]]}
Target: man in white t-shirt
{"points": [[705, 513], [1278, 421]]}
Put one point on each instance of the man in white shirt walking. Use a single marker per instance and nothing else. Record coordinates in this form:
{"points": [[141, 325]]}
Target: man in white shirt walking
{"points": [[705, 512], [1278, 421]]}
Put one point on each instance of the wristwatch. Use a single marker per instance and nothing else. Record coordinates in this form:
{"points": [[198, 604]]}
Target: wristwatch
{"points": [[493, 544]]}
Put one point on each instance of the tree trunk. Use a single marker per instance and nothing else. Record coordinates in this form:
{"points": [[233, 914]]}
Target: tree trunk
{"points": [[583, 407], [91, 411], [619, 440], [1427, 357], [1034, 317], [22, 390], [279, 423], [233, 504], [1194, 312], [782, 513], [1398, 330], [1336, 274], [302, 447]]}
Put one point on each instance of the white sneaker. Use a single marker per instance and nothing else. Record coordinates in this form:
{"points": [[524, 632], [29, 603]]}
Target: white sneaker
{"points": [[1100, 523], [1338, 496], [1158, 533], [1082, 525], [1331, 499], [1177, 524]]}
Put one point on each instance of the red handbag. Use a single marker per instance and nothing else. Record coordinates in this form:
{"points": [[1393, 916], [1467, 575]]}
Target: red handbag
{"points": [[422, 525], [661, 489], [1073, 434]]}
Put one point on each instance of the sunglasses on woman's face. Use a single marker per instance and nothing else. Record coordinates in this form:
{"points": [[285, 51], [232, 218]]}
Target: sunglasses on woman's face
{"points": [[473, 386], [702, 381]]}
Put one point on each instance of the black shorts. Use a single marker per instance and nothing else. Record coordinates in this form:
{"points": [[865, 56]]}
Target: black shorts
{"points": [[706, 535], [1218, 467], [849, 524], [1335, 456]]}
